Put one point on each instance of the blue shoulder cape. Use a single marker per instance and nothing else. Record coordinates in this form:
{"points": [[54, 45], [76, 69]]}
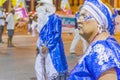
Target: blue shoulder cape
{"points": [[50, 35], [100, 57]]}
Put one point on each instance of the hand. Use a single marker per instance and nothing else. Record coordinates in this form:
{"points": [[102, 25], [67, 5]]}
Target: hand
{"points": [[44, 49]]}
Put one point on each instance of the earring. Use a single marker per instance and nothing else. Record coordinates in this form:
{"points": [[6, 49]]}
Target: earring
{"points": [[100, 29]]}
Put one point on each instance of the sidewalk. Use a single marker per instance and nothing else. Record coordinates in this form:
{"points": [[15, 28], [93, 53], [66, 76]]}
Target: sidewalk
{"points": [[17, 63]]}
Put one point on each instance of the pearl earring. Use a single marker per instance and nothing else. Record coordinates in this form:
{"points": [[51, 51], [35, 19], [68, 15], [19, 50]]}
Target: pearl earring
{"points": [[100, 29]]}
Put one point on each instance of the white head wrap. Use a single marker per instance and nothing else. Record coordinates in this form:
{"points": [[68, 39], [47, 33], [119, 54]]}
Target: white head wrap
{"points": [[44, 12], [101, 13]]}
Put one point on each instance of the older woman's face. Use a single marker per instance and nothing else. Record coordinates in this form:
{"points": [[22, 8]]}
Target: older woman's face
{"points": [[86, 23]]}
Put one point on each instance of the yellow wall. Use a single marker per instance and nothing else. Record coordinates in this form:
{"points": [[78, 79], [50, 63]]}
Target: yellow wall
{"points": [[74, 8]]}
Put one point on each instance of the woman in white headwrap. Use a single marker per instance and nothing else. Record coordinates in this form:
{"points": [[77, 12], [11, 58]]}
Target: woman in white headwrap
{"points": [[51, 61], [101, 60]]}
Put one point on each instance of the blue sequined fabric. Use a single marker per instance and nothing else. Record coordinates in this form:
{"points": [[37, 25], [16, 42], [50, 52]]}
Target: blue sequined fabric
{"points": [[100, 56]]}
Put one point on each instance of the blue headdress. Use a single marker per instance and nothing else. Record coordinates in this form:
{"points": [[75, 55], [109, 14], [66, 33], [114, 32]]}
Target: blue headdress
{"points": [[101, 13]]}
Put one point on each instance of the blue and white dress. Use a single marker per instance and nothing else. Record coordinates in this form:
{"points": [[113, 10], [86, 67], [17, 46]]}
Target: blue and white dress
{"points": [[55, 62], [100, 56]]}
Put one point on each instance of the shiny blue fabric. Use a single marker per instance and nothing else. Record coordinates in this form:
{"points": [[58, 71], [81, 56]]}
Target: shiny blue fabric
{"points": [[50, 35], [101, 56]]}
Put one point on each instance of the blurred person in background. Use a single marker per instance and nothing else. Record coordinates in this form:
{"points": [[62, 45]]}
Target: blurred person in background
{"points": [[51, 61], [10, 27], [77, 37], [30, 19], [2, 23], [34, 25]]}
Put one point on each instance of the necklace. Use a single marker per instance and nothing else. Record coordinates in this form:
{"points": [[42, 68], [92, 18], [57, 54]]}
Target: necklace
{"points": [[91, 42], [94, 38]]}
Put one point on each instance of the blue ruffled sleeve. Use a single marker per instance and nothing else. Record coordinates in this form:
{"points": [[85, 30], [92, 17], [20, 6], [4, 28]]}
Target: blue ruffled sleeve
{"points": [[103, 56], [80, 72], [100, 57]]}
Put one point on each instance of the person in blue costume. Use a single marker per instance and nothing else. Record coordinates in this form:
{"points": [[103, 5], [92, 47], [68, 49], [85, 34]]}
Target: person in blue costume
{"points": [[101, 60], [51, 61]]}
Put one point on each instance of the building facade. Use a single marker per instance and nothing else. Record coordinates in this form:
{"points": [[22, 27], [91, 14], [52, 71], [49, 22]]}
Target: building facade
{"points": [[74, 4]]}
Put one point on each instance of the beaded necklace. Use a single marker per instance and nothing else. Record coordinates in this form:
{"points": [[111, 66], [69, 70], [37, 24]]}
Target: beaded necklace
{"points": [[94, 37]]}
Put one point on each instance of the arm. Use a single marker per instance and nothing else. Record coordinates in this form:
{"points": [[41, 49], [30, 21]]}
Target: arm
{"points": [[7, 19], [109, 75]]}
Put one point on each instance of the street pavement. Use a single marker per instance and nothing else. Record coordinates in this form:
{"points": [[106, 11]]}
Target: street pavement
{"points": [[17, 63]]}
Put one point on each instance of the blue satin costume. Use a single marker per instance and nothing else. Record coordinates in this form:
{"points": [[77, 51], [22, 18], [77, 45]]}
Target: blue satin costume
{"points": [[100, 56], [50, 35]]}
